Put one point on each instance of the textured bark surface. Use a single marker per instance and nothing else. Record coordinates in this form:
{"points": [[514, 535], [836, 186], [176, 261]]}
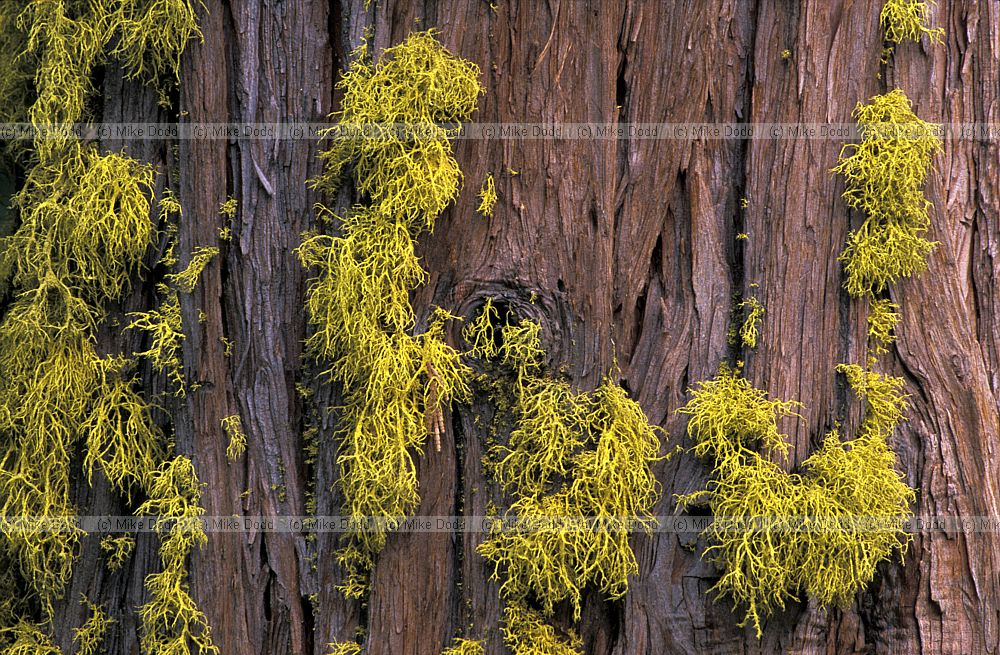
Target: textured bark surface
{"points": [[629, 251]]}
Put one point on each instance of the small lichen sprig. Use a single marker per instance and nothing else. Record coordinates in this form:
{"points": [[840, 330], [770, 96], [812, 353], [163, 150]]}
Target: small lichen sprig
{"points": [[91, 634], [883, 315], [171, 621], [849, 497], [578, 467], [228, 211], [487, 196], [166, 330], [344, 648], [187, 279], [754, 314], [117, 550], [165, 325], [885, 176], [481, 333], [907, 20], [233, 427]]}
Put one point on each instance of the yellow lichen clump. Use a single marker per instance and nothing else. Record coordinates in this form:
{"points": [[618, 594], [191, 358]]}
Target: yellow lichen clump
{"points": [[578, 468], [344, 648], [885, 176], [526, 633], [26, 638], [777, 534], [480, 333], [166, 330], [187, 279], [396, 382], [122, 439], [906, 20]]}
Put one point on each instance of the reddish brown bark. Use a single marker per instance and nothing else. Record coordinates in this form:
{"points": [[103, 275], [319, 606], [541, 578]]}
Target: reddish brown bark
{"points": [[630, 249]]}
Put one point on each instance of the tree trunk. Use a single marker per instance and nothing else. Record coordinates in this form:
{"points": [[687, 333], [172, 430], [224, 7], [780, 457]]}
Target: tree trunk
{"points": [[626, 251]]}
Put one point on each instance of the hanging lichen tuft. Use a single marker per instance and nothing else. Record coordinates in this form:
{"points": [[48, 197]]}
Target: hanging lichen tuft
{"points": [[885, 176], [883, 314], [91, 634], [526, 633], [84, 229], [906, 20], [776, 535], [754, 311], [578, 467], [487, 197], [396, 383], [171, 621]]}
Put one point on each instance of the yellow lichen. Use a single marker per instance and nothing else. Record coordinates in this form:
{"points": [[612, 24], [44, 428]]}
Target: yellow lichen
{"points": [[777, 534], [487, 196], [344, 648], [906, 20], [153, 36], [578, 469], [480, 333], [521, 350], [233, 427], [885, 402], [754, 315], [885, 176], [883, 314], [228, 208], [26, 638], [547, 435], [117, 550], [404, 164], [465, 647], [122, 439], [526, 633], [228, 211], [18, 69], [166, 330], [91, 634], [84, 230], [169, 206], [396, 383], [171, 621], [187, 279]]}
